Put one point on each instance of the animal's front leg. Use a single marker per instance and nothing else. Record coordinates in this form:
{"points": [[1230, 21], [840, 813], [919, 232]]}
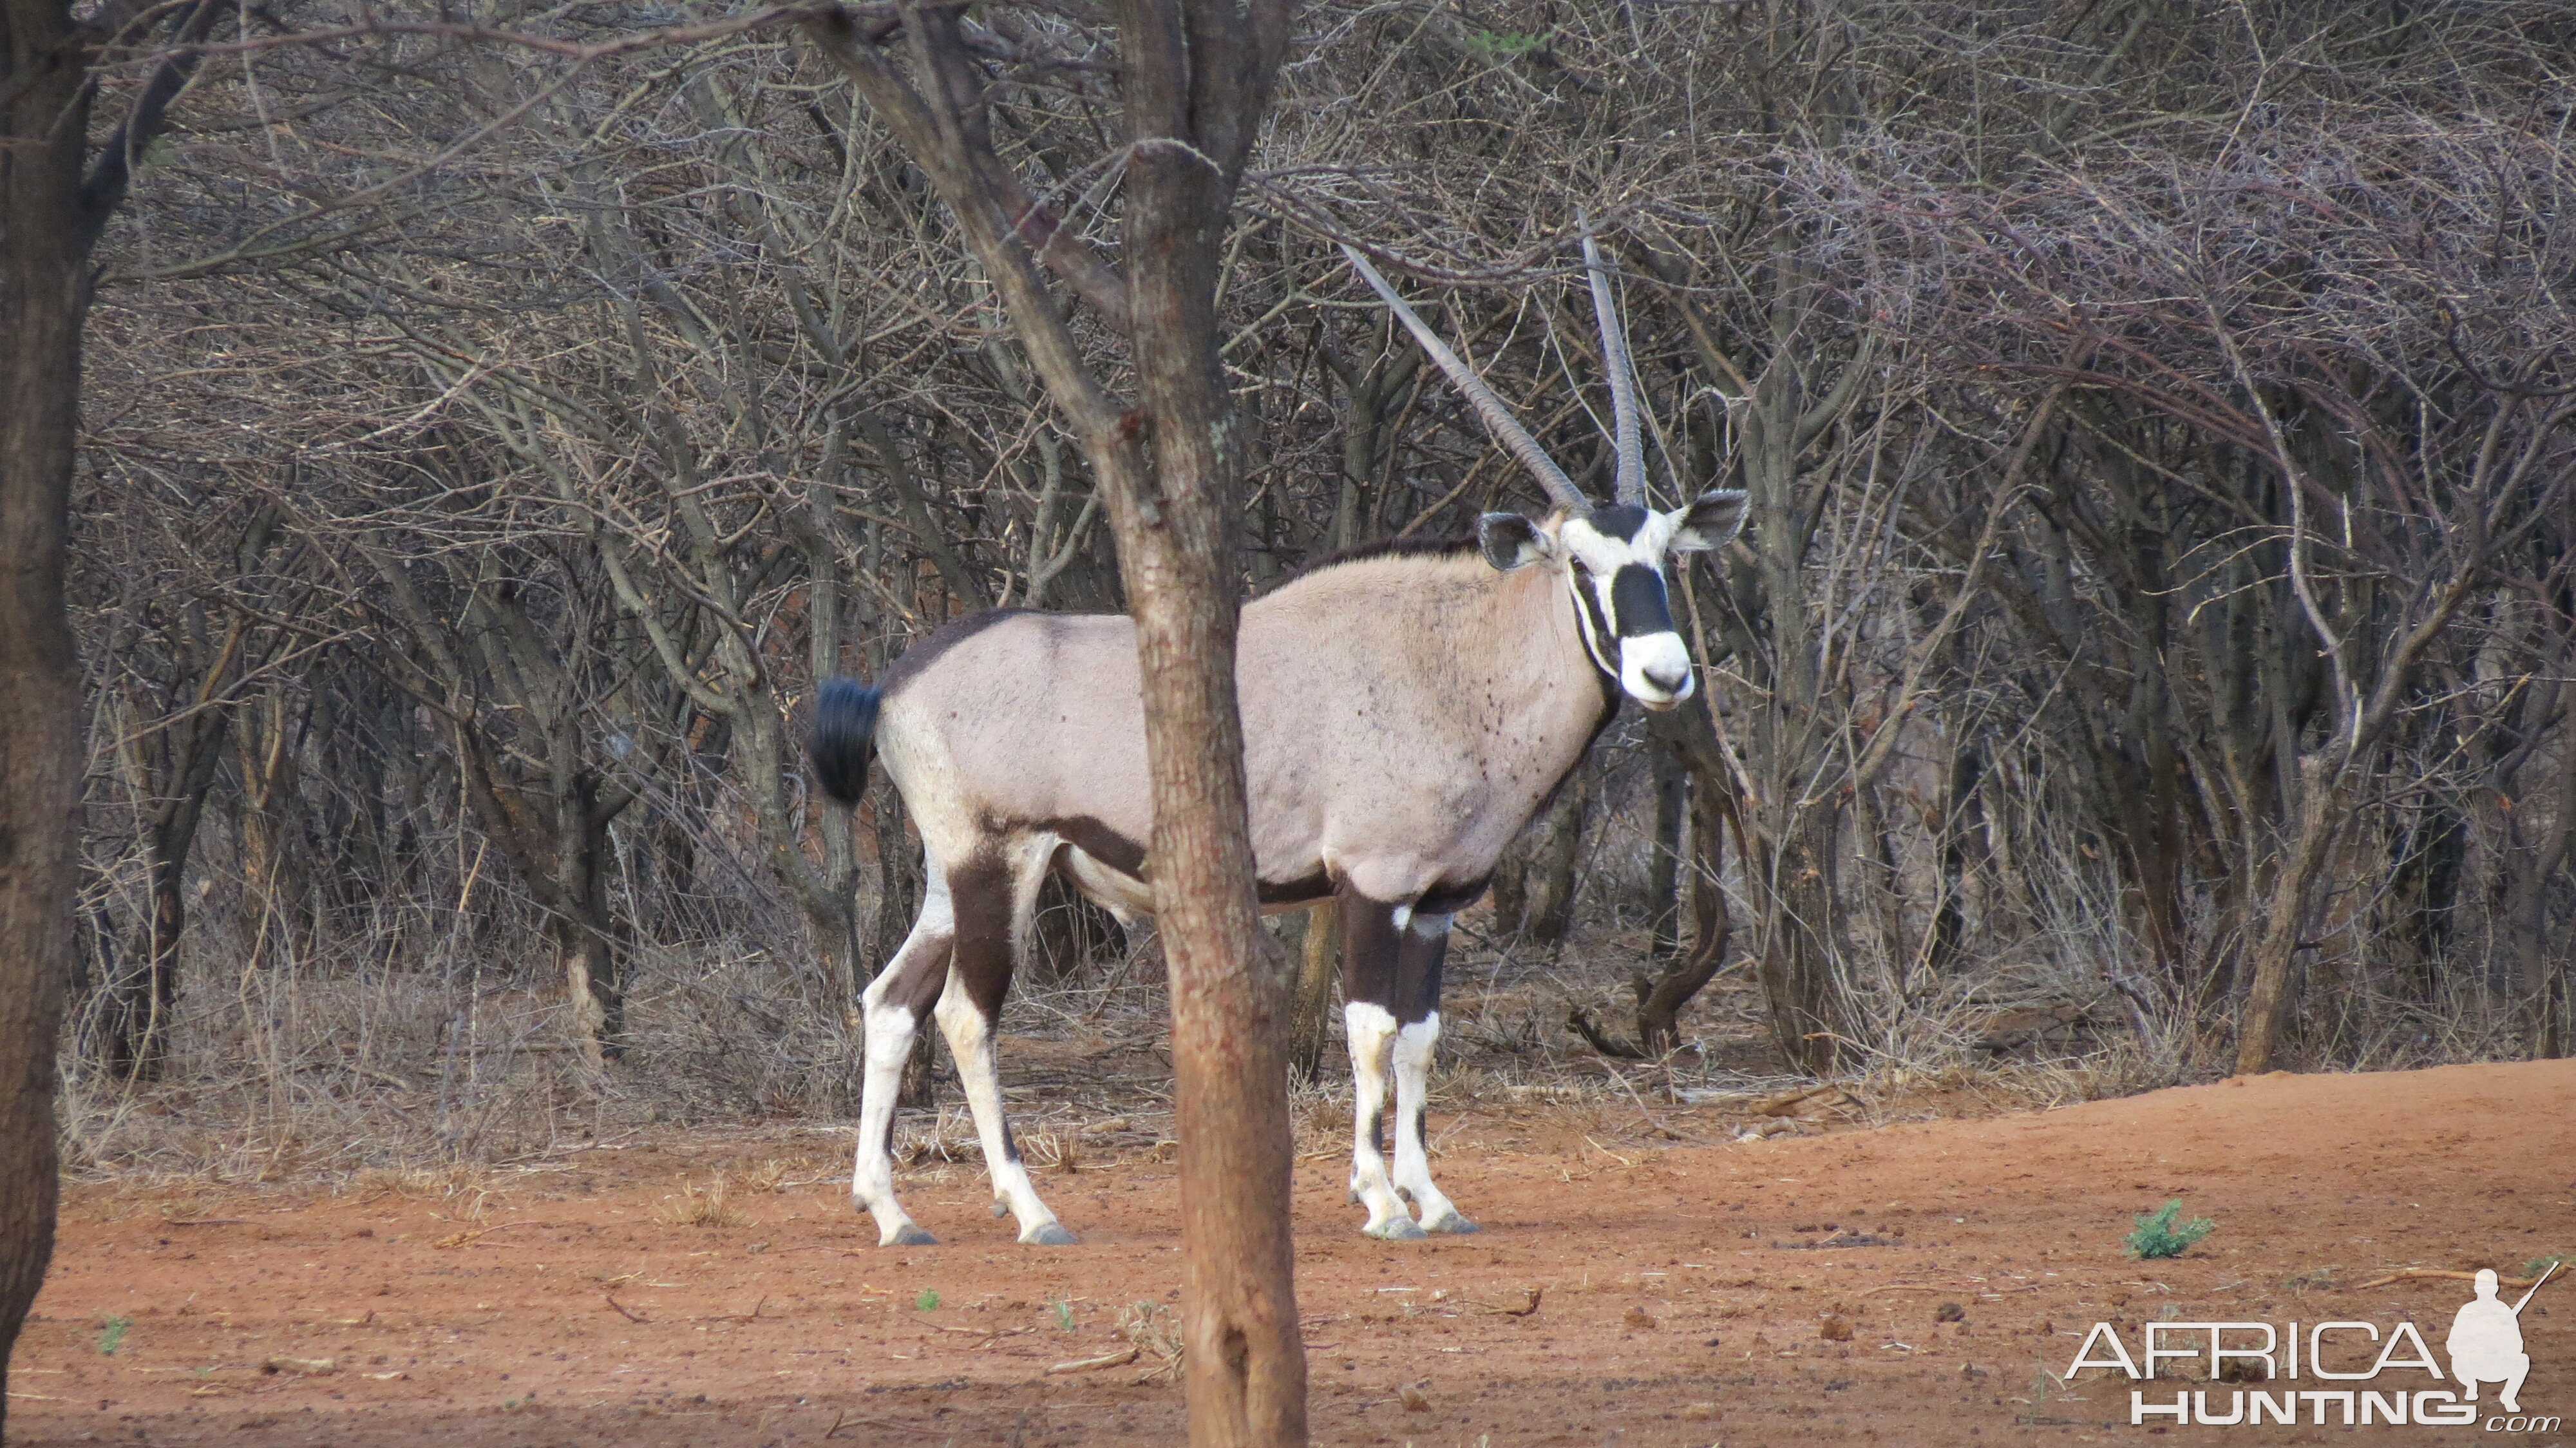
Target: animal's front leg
{"points": [[1419, 957], [1369, 937], [1372, 1034]]}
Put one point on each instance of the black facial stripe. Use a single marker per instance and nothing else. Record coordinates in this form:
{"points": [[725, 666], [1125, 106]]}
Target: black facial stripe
{"points": [[1637, 597], [1590, 603], [1620, 522]]}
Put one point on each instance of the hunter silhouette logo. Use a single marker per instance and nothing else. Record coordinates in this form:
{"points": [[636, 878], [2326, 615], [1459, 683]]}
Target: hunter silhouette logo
{"points": [[2484, 1346], [2486, 1341]]}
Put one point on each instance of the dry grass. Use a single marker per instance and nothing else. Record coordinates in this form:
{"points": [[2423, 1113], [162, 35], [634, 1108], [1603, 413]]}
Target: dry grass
{"points": [[711, 1205]]}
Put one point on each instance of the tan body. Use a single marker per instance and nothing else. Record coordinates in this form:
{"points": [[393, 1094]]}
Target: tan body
{"points": [[1399, 764]]}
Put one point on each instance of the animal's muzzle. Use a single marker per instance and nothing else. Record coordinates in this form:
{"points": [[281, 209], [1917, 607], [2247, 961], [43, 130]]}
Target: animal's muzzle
{"points": [[1655, 670]]}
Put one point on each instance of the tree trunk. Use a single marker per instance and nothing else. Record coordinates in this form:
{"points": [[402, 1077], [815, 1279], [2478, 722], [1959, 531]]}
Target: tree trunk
{"points": [[1556, 859], [142, 997], [2269, 997], [1962, 831], [1194, 79], [1663, 870], [1659, 1006], [1310, 1022], [1798, 958], [47, 226], [1510, 887], [1245, 1366]]}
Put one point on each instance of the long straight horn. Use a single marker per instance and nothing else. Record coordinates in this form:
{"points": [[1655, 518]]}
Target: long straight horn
{"points": [[1623, 382], [1498, 419]]}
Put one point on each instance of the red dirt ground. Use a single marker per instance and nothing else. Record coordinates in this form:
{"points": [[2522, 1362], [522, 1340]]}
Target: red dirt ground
{"points": [[1670, 1312]]}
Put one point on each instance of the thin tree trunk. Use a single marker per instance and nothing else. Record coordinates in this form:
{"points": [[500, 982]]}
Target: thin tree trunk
{"points": [[1962, 829], [1556, 860], [1510, 888], [1311, 1016], [1663, 870], [1194, 79], [1659, 1005], [1797, 961]]}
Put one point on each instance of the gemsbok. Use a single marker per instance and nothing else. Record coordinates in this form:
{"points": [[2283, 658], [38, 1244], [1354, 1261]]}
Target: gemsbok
{"points": [[1407, 707]]}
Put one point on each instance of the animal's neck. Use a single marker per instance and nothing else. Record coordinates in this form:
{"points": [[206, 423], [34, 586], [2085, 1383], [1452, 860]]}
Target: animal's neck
{"points": [[1549, 682]]}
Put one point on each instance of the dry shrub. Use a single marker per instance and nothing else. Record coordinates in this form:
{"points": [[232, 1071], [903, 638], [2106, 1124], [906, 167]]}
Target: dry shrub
{"points": [[693, 1206]]}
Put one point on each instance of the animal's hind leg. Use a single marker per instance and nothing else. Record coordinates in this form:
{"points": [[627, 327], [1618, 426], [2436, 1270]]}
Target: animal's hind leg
{"points": [[1420, 953], [994, 899], [1370, 933], [892, 1009]]}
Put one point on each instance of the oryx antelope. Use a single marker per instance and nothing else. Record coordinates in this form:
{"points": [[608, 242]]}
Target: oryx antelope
{"points": [[1406, 708]]}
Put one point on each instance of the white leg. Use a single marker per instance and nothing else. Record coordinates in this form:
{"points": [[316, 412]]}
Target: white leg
{"points": [[1414, 1045], [970, 1040], [1373, 1036], [889, 1032]]}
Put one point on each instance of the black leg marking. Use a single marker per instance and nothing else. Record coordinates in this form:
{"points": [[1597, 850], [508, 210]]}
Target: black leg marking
{"points": [[979, 893], [1370, 941], [1418, 962]]}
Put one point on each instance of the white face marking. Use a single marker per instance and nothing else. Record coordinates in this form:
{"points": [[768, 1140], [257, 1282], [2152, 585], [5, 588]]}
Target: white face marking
{"points": [[1648, 664]]}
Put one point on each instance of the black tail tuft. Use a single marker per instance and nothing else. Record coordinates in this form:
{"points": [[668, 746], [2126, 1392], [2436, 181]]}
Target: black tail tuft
{"points": [[845, 726]]}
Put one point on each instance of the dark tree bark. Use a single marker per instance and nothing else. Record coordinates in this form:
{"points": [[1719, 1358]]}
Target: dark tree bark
{"points": [[1554, 863], [1663, 870], [1689, 736], [55, 200]]}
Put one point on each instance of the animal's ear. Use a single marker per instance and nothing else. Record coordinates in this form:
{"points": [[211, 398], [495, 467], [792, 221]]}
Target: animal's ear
{"points": [[1711, 521], [1510, 540]]}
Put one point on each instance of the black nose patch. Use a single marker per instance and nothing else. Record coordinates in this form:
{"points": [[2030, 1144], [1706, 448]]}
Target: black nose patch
{"points": [[1638, 601]]}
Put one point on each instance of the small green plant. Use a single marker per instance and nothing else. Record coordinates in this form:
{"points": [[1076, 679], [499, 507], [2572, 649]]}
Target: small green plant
{"points": [[2162, 1233], [928, 1299], [1493, 46], [2538, 1265], [112, 1335], [1062, 1307]]}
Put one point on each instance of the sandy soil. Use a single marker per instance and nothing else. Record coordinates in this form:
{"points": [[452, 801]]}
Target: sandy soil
{"points": [[1684, 1289]]}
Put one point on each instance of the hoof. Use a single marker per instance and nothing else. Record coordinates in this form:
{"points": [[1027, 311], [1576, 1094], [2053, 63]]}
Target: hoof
{"points": [[1396, 1229], [1049, 1234], [1450, 1223], [909, 1235]]}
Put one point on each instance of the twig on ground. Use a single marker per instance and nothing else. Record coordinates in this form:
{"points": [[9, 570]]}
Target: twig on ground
{"points": [[2402, 1273], [1606, 1044], [1119, 1358]]}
